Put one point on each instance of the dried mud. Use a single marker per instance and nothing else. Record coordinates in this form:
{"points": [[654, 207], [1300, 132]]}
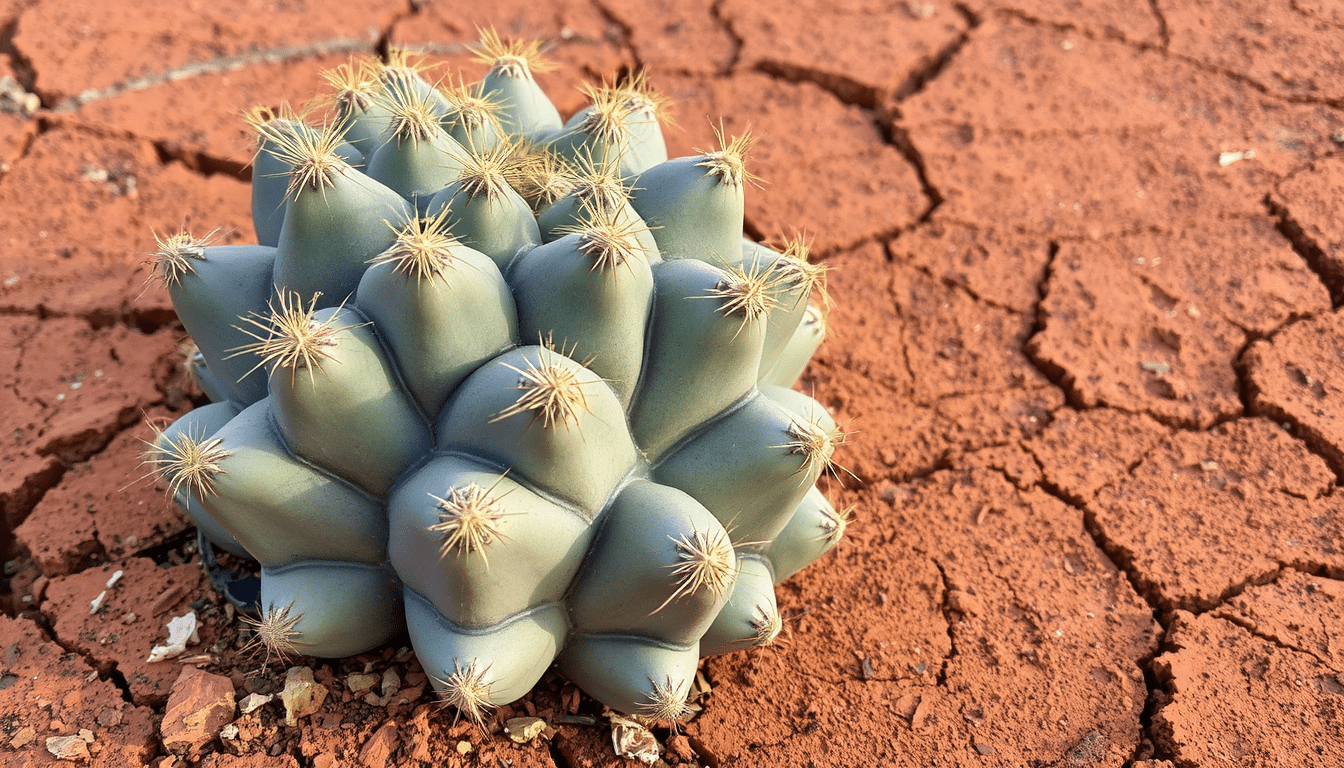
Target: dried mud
{"points": [[1086, 258]]}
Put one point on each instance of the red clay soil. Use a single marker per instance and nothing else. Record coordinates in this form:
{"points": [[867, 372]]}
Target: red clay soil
{"points": [[1086, 258]]}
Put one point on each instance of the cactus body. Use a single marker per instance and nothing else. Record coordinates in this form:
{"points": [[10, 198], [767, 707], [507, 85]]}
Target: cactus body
{"points": [[527, 438]]}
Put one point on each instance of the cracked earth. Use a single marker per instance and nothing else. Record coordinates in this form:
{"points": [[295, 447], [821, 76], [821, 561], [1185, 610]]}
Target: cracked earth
{"points": [[1086, 258]]}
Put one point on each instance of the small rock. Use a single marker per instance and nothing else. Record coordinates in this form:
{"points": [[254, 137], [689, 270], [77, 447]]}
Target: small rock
{"points": [[85, 733], [681, 747], [463, 747], [254, 701], [302, 694], [228, 736], [380, 746], [357, 682], [409, 695], [181, 633], [68, 747], [16, 101], [199, 705], [984, 748], [524, 729], [391, 683], [417, 741], [633, 741], [23, 737], [168, 599], [1156, 366]]}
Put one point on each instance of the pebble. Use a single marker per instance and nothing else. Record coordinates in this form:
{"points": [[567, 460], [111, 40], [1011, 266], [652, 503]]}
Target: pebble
{"points": [[68, 747], [302, 695], [199, 705], [524, 729], [254, 701], [23, 737], [379, 748], [357, 683], [681, 747]]}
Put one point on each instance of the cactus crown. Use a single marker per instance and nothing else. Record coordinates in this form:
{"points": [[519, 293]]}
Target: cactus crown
{"points": [[598, 182], [423, 248], [626, 494], [468, 520], [415, 117], [310, 152], [469, 109], [273, 633], [187, 461], [293, 338], [176, 253], [355, 85], [514, 59], [468, 691], [747, 292], [542, 178], [729, 163], [552, 390], [487, 171], [607, 237]]}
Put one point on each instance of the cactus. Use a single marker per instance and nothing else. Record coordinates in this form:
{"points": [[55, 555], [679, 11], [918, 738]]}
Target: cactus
{"points": [[517, 387]]}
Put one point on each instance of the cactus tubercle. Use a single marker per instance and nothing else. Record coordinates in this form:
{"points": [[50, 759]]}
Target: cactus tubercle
{"points": [[423, 248], [515, 59], [705, 561], [293, 338], [467, 690], [273, 633], [188, 461], [729, 163], [553, 390], [468, 520], [310, 152], [175, 255]]}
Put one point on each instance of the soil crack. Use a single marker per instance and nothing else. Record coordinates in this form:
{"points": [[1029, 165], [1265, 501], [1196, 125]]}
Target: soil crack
{"points": [[216, 66], [627, 32], [1087, 32], [21, 65], [1163, 31], [717, 14], [1120, 559], [945, 607], [107, 672], [1272, 639], [933, 66], [1331, 274]]}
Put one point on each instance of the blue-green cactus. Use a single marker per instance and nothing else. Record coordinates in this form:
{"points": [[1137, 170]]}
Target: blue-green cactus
{"points": [[516, 386]]}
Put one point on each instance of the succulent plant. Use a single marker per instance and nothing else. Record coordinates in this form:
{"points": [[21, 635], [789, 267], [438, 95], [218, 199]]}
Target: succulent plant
{"points": [[518, 387]]}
